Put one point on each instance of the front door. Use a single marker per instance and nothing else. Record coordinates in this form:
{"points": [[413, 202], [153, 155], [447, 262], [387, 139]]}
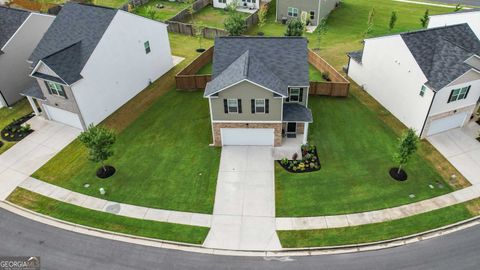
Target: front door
{"points": [[291, 130]]}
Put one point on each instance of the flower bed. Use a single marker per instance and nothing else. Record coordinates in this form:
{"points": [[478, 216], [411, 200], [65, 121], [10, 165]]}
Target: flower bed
{"points": [[309, 162], [17, 129]]}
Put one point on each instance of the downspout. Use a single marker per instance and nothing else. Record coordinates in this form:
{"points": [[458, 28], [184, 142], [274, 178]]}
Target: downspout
{"points": [[428, 114], [4, 99]]}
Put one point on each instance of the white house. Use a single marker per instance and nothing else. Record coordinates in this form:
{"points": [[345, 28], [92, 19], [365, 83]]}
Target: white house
{"points": [[92, 60], [245, 4], [470, 16], [20, 32], [428, 79]]}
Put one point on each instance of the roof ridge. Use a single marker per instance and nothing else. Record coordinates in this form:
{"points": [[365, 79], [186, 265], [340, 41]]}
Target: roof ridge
{"points": [[61, 50]]}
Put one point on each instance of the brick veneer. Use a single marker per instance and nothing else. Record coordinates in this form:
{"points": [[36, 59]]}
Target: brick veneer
{"points": [[218, 138]]}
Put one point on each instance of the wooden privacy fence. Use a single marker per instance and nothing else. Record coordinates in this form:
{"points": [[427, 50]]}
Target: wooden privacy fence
{"points": [[187, 79], [338, 85]]}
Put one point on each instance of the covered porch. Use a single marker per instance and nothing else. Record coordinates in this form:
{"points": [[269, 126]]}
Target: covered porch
{"points": [[34, 95]]}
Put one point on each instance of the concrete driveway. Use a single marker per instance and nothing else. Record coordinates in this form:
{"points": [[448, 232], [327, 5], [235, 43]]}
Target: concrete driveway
{"points": [[244, 210], [28, 155], [461, 149]]}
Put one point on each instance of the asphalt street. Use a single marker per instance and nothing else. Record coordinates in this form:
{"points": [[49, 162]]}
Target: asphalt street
{"points": [[60, 249]]}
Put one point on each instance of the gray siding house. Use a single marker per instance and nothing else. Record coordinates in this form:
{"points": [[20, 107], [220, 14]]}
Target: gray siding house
{"points": [[20, 32], [259, 93], [314, 10]]}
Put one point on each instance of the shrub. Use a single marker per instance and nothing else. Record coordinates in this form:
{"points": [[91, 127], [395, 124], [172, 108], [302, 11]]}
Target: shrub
{"points": [[235, 24], [295, 28], [284, 161]]}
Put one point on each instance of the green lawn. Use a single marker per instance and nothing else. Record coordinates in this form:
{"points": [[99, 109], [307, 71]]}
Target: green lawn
{"points": [[110, 3], [206, 70], [315, 74], [378, 231], [163, 159], [169, 10], [355, 149], [18, 110], [212, 17], [106, 221]]}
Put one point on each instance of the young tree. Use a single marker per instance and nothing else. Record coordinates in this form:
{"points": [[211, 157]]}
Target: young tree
{"points": [[424, 20], [295, 28], [321, 30], [99, 141], [191, 10], [235, 24], [458, 7], [262, 16], [393, 21], [199, 34], [232, 6], [370, 22], [407, 146], [151, 12]]}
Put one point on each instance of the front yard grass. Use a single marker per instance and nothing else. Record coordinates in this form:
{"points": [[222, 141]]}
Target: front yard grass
{"points": [[162, 159], [315, 74], [378, 231], [355, 149], [106, 221], [212, 17], [169, 9], [7, 115]]}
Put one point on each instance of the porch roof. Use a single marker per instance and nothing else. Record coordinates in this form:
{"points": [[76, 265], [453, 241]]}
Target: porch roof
{"points": [[294, 112], [34, 91]]}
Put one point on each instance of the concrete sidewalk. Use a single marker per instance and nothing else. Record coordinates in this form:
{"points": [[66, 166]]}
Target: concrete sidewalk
{"points": [[31, 153]]}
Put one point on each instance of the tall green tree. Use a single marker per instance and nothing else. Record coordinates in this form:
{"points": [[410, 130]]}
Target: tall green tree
{"points": [[393, 20], [99, 141], [424, 20], [295, 28], [235, 24], [407, 146]]}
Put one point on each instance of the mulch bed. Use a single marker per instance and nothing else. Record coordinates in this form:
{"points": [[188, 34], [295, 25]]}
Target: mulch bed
{"points": [[13, 132], [101, 173], [309, 162], [1, 144], [402, 176]]}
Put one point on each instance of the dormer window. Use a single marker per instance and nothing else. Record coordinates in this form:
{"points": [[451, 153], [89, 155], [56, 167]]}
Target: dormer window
{"points": [[295, 95], [55, 89]]}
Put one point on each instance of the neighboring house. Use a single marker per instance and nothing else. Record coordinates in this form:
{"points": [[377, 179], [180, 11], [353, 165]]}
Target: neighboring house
{"points": [[92, 60], [428, 79], [470, 16], [313, 10], [248, 4], [259, 91], [20, 32]]}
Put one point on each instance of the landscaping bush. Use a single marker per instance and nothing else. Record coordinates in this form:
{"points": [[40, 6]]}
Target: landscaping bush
{"points": [[295, 28], [308, 163], [235, 24], [17, 129]]}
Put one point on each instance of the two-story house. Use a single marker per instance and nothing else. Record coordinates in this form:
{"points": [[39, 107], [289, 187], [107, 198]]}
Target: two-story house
{"points": [[20, 32], [242, 4], [259, 90], [428, 79], [314, 10], [92, 60], [470, 16]]}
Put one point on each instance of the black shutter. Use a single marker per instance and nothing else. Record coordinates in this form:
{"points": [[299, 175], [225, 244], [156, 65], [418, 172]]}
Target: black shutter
{"points": [[267, 107], [301, 95], [288, 95], [253, 105], [225, 106], [468, 90], [450, 97], [48, 87], [64, 93], [239, 106]]}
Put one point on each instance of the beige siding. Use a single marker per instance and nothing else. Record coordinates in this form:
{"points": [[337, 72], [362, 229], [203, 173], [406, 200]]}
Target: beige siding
{"points": [[246, 91]]}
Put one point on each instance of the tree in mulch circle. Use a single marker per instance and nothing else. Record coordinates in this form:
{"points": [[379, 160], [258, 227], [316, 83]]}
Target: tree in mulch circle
{"points": [[99, 141], [198, 29], [408, 145], [262, 18], [321, 31], [295, 28]]}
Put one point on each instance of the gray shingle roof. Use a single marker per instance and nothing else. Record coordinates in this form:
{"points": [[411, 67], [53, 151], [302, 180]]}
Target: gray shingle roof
{"points": [[34, 91], [441, 52], [71, 39], [10, 20], [357, 55], [272, 62], [295, 112]]}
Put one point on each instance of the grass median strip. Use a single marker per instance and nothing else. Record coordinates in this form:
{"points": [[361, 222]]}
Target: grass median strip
{"points": [[106, 221], [380, 231]]}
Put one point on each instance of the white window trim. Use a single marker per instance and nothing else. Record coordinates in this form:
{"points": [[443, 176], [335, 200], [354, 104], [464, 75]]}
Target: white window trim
{"points": [[228, 104], [294, 12], [423, 90], [459, 94], [54, 89], [264, 106], [290, 94]]}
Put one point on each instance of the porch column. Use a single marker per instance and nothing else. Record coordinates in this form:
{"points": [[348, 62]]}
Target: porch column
{"points": [[305, 132], [34, 106]]}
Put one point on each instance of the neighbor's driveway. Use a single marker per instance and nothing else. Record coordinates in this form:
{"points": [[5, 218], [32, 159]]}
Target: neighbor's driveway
{"points": [[244, 211], [461, 149], [28, 155]]}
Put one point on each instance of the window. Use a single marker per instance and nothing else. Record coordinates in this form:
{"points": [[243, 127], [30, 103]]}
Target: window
{"points": [[259, 105], [295, 94], [312, 15], [422, 91], [147, 47], [292, 12], [222, 1], [458, 94], [232, 105], [55, 89]]}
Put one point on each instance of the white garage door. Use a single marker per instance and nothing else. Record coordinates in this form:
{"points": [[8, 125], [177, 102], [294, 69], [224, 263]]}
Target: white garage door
{"points": [[64, 117], [447, 123], [247, 136]]}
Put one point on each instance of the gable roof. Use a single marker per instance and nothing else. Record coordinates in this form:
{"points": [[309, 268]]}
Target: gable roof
{"points": [[441, 52], [10, 20], [71, 39], [271, 62]]}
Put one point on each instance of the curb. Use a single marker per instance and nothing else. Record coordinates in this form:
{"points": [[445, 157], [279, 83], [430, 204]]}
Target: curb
{"points": [[312, 251]]}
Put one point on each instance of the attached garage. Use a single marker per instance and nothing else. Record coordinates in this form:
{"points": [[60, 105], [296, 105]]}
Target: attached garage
{"points": [[447, 123], [248, 136], [64, 117]]}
